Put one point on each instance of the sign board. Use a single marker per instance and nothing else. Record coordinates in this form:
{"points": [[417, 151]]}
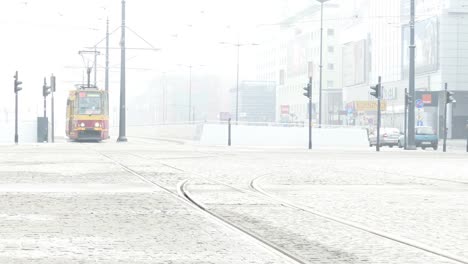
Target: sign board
{"points": [[419, 103], [284, 109], [367, 106], [389, 93], [427, 98]]}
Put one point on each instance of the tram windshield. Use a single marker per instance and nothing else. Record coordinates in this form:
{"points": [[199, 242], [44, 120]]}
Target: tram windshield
{"points": [[89, 103]]}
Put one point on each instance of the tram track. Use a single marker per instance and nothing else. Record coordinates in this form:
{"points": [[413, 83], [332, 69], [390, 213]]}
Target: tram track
{"points": [[254, 186], [183, 194]]}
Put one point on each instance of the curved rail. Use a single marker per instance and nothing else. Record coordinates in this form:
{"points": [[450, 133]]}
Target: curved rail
{"points": [[253, 184], [182, 189], [183, 194]]}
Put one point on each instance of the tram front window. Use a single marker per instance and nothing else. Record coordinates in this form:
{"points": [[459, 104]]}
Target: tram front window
{"points": [[89, 104]]}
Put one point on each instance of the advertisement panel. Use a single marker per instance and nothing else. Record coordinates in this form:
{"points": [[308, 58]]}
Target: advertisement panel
{"points": [[369, 106], [427, 46]]}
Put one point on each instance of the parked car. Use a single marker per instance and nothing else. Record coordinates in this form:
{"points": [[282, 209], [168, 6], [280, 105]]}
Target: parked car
{"points": [[425, 136], [388, 137]]}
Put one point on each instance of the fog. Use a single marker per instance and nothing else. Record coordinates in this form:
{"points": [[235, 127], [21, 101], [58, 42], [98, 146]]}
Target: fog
{"points": [[44, 37]]}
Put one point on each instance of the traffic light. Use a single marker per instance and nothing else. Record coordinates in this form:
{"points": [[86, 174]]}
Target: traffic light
{"points": [[17, 83], [52, 83], [450, 98], [45, 89], [376, 91], [408, 99], [308, 90]]}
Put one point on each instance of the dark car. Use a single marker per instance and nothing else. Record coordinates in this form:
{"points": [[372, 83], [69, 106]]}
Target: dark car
{"points": [[424, 137]]}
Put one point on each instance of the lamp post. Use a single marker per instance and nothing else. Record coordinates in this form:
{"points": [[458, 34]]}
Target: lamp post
{"points": [[321, 60], [238, 45], [190, 66]]}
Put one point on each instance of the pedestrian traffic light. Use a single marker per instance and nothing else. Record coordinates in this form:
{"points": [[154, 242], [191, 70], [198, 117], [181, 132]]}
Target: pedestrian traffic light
{"points": [[376, 91], [308, 90], [450, 98], [17, 83], [45, 89]]}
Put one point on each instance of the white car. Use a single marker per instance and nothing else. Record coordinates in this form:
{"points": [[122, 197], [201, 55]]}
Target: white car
{"points": [[388, 137]]}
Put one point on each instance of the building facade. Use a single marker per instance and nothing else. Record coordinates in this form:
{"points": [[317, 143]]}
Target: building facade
{"points": [[376, 43], [291, 55], [257, 100]]}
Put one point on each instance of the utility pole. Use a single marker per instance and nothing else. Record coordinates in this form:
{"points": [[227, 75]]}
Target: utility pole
{"points": [[229, 132], [308, 94], [448, 99], [52, 91], [377, 93], [95, 66], [190, 94], [106, 78], [238, 45], [321, 61], [107, 59], [406, 119], [411, 109], [237, 81], [122, 137], [17, 88], [408, 100], [44, 94]]}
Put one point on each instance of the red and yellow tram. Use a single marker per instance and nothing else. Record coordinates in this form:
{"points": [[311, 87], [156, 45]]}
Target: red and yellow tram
{"points": [[87, 114]]}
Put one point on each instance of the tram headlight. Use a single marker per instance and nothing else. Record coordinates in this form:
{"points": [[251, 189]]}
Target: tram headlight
{"points": [[97, 124], [82, 124]]}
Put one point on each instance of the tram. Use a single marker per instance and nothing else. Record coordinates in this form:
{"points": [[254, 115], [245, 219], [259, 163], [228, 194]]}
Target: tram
{"points": [[87, 114]]}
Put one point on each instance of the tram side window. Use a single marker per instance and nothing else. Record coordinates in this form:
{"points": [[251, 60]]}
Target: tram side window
{"points": [[89, 105]]}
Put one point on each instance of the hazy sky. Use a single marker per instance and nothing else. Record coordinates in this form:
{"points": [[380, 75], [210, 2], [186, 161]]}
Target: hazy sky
{"points": [[41, 37]]}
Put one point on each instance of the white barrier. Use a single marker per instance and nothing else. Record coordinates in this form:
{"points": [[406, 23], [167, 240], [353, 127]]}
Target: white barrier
{"points": [[283, 136], [253, 134], [181, 131]]}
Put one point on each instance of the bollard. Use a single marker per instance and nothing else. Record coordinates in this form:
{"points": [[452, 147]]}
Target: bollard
{"points": [[229, 132]]}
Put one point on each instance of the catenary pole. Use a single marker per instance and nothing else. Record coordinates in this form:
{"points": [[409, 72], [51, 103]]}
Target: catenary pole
{"points": [[122, 123], [411, 108]]}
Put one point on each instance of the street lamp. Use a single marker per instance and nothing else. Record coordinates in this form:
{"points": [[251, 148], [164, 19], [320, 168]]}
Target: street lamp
{"points": [[190, 66], [321, 60], [238, 45]]}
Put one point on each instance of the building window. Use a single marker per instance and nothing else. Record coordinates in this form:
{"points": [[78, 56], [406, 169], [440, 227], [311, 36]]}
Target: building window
{"points": [[330, 84], [331, 32], [331, 66], [331, 49]]}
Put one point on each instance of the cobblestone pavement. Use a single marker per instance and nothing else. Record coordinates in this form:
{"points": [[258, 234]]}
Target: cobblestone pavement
{"points": [[419, 196], [67, 203], [313, 238]]}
